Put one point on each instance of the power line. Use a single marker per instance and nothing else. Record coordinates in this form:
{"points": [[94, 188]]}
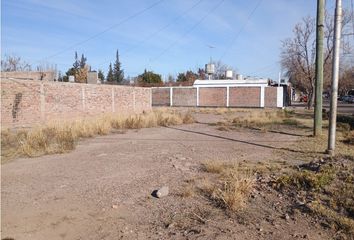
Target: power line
{"points": [[164, 27], [105, 30], [187, 32], [159, 30], [241, 30]]}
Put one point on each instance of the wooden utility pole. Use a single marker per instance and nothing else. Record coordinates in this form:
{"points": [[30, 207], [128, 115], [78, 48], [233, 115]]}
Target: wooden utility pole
{"points": [[335, 76], [317, 128]]}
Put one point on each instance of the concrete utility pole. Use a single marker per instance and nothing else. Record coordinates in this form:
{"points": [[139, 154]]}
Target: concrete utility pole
{"points": [[335, 75], [317, 128]]}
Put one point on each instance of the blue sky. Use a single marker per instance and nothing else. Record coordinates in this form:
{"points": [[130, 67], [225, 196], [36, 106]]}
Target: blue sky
{"points": [[171, 37]]}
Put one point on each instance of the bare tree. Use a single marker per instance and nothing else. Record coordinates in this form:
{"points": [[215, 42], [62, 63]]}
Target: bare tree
{"points": [[346, 81], [220, 69], [12, 63], [298, 54]]}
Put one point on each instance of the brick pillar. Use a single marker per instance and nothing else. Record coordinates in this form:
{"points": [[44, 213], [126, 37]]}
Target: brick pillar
{"points": [[113, 103], [227, 96], [171, 96], [262, 97], [42, 99], [83, 98]]}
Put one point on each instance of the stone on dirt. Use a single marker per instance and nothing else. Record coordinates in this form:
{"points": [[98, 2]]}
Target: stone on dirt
{"points": [[162, 192]]}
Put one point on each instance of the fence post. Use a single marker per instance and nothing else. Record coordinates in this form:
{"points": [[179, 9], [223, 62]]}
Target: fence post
{"points": [[42, 99], [197, 96], [227, 96], [171, 96], [262, 96], [280, 102], [134, 99]]}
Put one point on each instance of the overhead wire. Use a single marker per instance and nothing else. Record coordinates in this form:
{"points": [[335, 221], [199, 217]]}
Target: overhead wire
{"points": [[105, 30], [187, 32], [159, 30], [240, 30]]}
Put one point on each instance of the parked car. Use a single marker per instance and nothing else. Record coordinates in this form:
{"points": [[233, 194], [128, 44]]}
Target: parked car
{"points": [[303, 98], [351, 99], [345, 98]]}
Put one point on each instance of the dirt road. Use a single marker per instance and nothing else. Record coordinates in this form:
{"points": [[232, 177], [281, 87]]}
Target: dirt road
{"points": [[102, 189]]}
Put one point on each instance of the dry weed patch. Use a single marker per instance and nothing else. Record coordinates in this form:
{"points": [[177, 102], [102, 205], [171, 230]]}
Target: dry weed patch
{"points": [[60, 137], [328, 186], [232, 187]]}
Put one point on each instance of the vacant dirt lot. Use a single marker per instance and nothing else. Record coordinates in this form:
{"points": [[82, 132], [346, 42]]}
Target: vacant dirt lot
{"points": [[102, 190]]}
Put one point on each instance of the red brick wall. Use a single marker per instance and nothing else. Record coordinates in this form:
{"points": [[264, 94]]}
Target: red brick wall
{"points": [[184, 97], [215, 96], [270, 97], [212, 97], [244, 96], [25, 103], [161, 96]]}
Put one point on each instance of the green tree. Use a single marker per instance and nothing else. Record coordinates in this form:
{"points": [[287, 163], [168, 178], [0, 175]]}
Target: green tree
{"points": [[78, 69], [110, 77], [188, 76], [191, 76], [118, 74], [71, 71], [100, 75], [201, 74], [76, 64], [181, 77], [82, 62], [149, 77]]}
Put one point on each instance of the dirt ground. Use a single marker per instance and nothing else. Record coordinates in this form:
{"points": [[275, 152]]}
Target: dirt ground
{"points": [[102, 190]]}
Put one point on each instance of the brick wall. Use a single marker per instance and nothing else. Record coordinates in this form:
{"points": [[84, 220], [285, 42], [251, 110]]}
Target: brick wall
{"points": [[239, 96], [24, 103], [184, 97], [245, 97], [161, 96], [270, 97], [212, 97]]}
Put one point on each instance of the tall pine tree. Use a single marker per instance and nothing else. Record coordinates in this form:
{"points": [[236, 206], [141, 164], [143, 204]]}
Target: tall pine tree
{"points": [[110, 77], [100, 75], [82, 61], [118, 74], [76, 64]]}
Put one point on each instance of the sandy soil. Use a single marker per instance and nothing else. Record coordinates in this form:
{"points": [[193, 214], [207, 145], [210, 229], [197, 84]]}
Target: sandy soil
{"points": [[102, 190]]}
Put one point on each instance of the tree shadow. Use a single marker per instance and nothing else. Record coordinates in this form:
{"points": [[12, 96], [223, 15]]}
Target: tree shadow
{"points": [[240, 141], [284, 133]]}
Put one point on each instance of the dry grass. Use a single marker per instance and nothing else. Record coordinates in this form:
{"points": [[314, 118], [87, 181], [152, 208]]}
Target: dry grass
{"points": [[60, 137], [348, 137], [214, 166], [220, 110], [187, 191], [307, 180], [328, 188], [339, 221], [232, 188], [263, 118]]}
